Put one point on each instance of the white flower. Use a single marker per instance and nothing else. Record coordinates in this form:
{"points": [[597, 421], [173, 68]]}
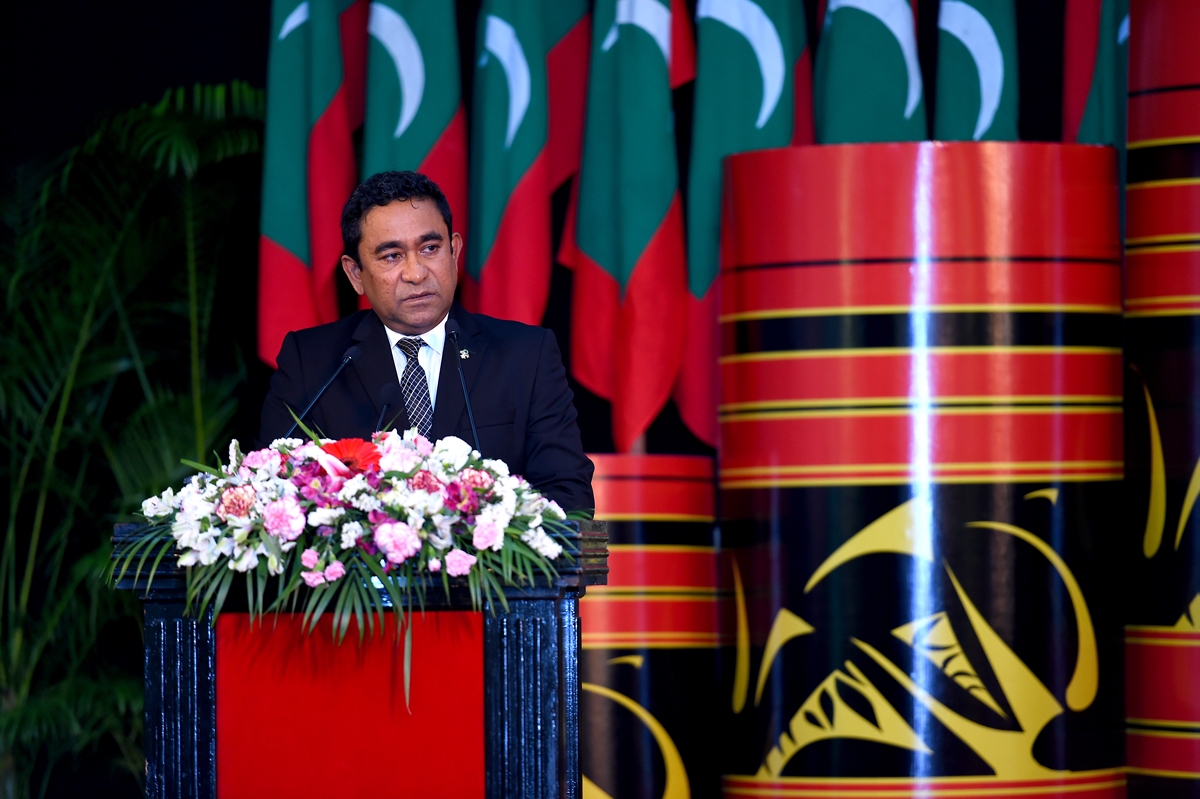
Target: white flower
{"points": [[235, 457], [245, 561], [325, 517], [355, 485], [441, 538], [162, 505], [452, 452], [556, 510], [541, 543], [499, 468], [496, 514], [286, 444], [366, 503], [351, 532]]}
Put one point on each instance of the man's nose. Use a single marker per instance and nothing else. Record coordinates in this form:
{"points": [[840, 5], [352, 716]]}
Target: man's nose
{"points": [[414, 270]]}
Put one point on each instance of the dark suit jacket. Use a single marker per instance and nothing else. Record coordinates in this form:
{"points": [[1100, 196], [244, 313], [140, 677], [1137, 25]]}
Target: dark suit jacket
{"points": [[524, 409]]}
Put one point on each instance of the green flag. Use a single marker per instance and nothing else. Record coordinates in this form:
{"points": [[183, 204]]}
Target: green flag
{"points": [[514, 165], [743, 44], [867, 82], [313, 105], [414, 116], [976, 71], [627, 247], [1104, 114]]}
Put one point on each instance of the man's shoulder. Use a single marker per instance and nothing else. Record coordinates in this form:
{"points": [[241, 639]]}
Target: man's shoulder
{"points": [[331, 333], [503, 330]]}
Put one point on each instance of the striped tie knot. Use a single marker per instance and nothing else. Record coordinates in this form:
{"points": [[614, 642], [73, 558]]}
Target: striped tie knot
{"points": [[410, 346]]}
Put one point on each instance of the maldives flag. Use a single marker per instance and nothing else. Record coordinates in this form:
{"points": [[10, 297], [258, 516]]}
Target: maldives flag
{"points": [[415, 118], [976, 71], [629, 306], [867, 82], [315, 78], [527, 123], [743, 44], [1095, 67]]}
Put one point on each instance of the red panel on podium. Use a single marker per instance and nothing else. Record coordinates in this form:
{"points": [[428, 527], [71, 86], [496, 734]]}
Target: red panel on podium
{"points": [[300, 716]]}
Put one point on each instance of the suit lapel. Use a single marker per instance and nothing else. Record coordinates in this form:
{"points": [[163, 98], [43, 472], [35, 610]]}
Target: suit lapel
{"points": [[450, 409], [376, 368]]}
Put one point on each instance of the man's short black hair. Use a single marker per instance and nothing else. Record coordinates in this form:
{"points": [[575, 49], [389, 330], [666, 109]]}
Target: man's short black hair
{"points": [[381, 189]]}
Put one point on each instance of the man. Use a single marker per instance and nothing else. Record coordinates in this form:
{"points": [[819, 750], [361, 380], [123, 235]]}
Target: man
{"points": [[402, 254]]}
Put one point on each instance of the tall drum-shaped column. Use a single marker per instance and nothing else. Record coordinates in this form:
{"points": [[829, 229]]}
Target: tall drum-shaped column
{"points": [[649, 710], [921, 453], [1162, 334]]}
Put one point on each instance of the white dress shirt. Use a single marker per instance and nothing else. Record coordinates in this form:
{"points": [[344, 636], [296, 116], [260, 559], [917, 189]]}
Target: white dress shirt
{"points": [[429, 356]]}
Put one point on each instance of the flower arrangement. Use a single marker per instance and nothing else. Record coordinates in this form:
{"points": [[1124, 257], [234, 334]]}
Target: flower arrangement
{"points": [[352, 521]]}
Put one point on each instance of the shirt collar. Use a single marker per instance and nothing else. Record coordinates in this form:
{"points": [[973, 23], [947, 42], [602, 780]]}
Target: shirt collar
{"points": [[435, 338]]}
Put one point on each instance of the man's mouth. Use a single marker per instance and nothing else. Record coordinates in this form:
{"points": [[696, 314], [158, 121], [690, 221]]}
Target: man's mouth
{"points": [[418, 297]]}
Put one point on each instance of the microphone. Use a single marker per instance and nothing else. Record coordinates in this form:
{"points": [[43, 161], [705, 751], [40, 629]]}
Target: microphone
{"points": [[452, 332], [353, 352], [390, 397]]}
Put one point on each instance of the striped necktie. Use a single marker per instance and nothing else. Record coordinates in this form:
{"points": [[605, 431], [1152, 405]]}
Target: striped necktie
{"points": [[414, 386]]}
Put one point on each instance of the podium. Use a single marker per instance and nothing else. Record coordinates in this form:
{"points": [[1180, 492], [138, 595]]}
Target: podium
{"points": [[530, 679]]}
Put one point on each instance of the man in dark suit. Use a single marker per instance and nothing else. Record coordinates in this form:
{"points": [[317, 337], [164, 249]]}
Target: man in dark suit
{"points": [[402, 254]]}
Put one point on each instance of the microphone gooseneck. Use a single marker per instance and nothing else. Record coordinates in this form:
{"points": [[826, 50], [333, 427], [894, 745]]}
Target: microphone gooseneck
{"points": [[452, 332], [390, 398], [351, 353]]}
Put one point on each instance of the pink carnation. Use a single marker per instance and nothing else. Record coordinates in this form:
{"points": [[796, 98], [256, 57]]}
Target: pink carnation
{"points": [[488, 535], [397, 541], [425, 481], [476, 479], [312, 579], [335, 571], [267, 459], [435, 565], [424, 446], [235, 501], [310, 558], [458, 562], [284, 518]]}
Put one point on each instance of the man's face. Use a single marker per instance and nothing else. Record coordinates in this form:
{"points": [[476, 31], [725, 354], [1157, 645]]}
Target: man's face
{"points": [[408, 265]]}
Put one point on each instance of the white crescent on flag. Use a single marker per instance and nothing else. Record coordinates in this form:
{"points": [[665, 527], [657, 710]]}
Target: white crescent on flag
{"points": [[748, 19], [500, 39], [397, 38], [964, 22], [897, 17], [649, 15], [294, 20]]}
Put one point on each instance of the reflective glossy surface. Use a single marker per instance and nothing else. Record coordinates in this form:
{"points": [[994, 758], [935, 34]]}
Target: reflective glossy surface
{"points": [[920, 464]]}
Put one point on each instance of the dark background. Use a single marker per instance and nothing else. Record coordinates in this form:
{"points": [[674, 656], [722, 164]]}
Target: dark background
{"points": [[67, 64]]}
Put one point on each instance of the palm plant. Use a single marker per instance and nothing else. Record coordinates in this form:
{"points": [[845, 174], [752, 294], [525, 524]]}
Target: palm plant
{"points": [[108, 274]]}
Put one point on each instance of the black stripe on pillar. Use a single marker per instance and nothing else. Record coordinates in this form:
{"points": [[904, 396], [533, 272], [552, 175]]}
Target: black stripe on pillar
{"points": [[1019, 329]]}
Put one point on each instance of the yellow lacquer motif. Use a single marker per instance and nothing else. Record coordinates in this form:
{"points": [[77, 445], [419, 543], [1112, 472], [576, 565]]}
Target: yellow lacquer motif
{"points": [[848, 705]]}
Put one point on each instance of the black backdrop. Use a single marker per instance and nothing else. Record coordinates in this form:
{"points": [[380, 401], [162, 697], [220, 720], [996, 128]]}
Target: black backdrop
{"points": [[66, 64]]}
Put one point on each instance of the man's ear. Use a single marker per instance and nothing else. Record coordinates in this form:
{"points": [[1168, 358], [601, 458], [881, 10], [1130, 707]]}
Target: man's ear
{"points": [[353, 272], [456, 246]]}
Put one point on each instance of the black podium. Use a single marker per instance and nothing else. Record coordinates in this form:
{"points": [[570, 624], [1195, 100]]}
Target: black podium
{"points": [[530, 667]]}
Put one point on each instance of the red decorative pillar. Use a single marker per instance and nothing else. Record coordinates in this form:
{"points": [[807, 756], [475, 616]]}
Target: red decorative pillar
{"points": [[1162, 340], [920, 469], [649, 704]]}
